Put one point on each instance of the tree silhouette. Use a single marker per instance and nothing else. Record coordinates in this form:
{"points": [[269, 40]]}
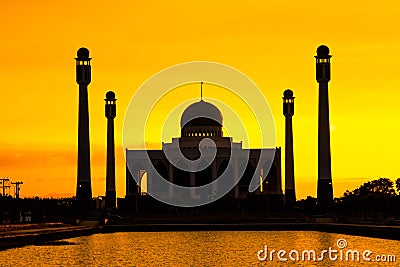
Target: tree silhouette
{"points": [[382, 186], [398, 185], [375, 198]]}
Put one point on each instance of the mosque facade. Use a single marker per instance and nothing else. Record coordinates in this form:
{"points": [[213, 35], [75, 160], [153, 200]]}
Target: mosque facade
{"points": [[199, 121]]}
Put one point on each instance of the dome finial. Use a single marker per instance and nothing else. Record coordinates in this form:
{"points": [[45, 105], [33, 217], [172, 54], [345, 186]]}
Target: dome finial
{"points": [[83, 53], [322, 50], [201, 91], [288, 93], [110, 96]]}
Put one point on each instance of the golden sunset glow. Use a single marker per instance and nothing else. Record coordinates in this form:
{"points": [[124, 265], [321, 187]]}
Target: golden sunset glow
{"points": [[272, 42]]}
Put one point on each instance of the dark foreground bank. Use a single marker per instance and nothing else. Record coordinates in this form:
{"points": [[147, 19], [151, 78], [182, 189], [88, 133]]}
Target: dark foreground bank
{"points": [[23, 237]]}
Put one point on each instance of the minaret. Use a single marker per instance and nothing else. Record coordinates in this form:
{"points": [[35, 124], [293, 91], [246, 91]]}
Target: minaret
{"points": [[288, 111], [323, 73], [83, 187], [110, 112]]}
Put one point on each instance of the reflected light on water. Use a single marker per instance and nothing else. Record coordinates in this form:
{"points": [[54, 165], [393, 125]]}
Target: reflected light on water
{"points": [[223, 248]]}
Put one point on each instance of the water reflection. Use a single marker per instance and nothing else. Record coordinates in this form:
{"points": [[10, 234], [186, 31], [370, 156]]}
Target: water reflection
{"points": [[191, 249]]}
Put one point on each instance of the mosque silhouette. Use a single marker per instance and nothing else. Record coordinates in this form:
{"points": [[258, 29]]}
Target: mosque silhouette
{"points": [[202, 120]]}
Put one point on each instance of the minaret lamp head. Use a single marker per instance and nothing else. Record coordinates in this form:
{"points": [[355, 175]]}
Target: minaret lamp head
{"points": [[110, 107], [323, 61], [288, 103], [83, 69]]}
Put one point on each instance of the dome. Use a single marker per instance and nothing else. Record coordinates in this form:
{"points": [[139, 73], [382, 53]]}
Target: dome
{"points": [[288, 93], [322, 50], [83, 52], [201, 113], [110, 95]]}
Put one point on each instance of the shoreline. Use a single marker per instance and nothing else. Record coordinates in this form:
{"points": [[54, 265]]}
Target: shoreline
{"points": [[19, 238]]}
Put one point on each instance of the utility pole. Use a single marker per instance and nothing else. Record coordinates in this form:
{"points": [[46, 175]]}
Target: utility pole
{"points": [[4, 186], [17, 188], [7, 187]]}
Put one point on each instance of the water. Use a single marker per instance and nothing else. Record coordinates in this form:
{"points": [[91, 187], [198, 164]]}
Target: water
{"points": [[222, 248]]}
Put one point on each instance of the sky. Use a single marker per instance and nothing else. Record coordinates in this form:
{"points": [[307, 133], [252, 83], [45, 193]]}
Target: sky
{"points": [[272, 42]]}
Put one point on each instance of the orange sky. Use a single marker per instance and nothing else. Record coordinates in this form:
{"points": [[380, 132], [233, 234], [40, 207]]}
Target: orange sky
{"points": [[272, 42]]}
